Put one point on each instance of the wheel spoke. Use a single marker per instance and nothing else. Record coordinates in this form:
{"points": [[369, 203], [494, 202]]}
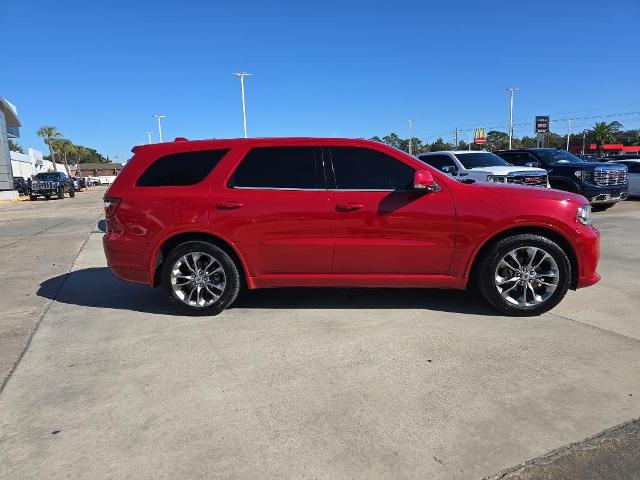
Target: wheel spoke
{"points": [[507, 280], [532, 255]]}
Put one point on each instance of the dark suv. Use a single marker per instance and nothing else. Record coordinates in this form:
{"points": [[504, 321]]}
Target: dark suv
{"points": [[604, 184], [48, 184]]}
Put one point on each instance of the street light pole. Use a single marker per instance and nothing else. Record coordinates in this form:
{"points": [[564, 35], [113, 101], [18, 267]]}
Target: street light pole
{"points": [[568, 133], [149, 136], [241, 76], [158, 117], [511, 90], [410, 138]]}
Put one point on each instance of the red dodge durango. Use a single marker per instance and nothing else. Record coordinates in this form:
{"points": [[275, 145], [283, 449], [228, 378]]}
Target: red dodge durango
{"points": [[204, 218]]}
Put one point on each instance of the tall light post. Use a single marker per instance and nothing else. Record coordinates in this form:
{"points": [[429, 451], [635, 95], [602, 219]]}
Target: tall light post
{"points": [[149, 136], [241, 76], [568, 132], [511, 90], [159, 117], [410, 137]]}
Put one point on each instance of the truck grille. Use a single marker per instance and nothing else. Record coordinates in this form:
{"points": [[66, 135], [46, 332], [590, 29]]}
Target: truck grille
{"points": [[528, 179], [610, 176]]}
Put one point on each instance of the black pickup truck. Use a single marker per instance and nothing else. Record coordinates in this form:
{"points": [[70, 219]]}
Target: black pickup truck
{"points": [[50, 184], [603, 184]]}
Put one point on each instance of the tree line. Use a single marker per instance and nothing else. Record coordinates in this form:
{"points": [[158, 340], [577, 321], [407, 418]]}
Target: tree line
{"points": [[600, 134], [63, 150]]}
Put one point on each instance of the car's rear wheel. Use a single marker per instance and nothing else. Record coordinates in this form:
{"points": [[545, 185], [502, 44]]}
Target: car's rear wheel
{"points": [[72, 193], [199, 278], [524, 275]]}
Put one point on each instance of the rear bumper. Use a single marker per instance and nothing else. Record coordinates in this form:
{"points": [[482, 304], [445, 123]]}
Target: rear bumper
{"points": [[588, 281], [125, 260]]}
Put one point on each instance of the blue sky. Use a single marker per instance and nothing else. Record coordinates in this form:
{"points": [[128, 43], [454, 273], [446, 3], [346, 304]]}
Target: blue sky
{"points": [[100, 70]]}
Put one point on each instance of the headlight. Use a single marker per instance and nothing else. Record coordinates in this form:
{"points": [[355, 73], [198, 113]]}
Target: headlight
{"points": [[583, 175], [584, 214], [496, 178]]}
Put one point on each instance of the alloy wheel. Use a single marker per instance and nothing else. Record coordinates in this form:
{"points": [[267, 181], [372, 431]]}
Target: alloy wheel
{"points": [[198, 279], [526, 276]]}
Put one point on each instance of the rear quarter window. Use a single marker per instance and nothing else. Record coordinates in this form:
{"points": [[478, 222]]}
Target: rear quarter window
{"points": [[181, 169]]}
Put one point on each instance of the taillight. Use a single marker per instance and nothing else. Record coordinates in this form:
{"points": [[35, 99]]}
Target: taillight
{"points": [[110, 206]]}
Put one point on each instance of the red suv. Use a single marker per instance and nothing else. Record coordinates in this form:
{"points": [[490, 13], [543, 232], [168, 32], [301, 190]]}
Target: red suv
{"points": [[204, 218]]}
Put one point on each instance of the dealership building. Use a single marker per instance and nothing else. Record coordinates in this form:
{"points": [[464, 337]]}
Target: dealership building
{"points": [[9, 125]]}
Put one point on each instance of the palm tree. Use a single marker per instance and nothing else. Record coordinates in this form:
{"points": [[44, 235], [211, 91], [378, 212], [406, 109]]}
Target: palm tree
{"points": [[65, 148], [602, 133], [50, 135]]}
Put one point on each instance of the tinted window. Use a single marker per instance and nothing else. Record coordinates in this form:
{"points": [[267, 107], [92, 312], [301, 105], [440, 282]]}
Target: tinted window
{"points": [[280, 167], [181, 169], [518, 158], [438, 161], [480, 159], [364, 169], [555, 157], [50, 176]]}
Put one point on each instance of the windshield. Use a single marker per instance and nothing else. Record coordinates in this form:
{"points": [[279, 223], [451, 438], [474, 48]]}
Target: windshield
{"points": [[482, 159], [48, 176], [555, 157]]}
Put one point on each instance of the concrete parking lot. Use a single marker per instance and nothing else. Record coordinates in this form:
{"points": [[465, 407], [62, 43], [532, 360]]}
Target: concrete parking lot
{"points": [[295, 383]]}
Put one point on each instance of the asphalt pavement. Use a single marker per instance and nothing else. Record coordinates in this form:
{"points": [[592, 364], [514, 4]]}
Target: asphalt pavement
{"points": [[302, 383]]}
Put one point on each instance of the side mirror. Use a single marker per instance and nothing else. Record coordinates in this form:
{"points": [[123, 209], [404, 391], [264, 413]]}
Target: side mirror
{"points": [[450, 169], [532, 164], [423, 182]]}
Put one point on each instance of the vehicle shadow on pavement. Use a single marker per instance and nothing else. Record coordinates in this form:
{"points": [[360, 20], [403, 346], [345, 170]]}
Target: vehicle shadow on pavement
{"points": [[97, 287]]}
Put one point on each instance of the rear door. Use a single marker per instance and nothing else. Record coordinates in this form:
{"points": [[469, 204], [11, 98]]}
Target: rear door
{"points": [[379, 224], [275, 209]]}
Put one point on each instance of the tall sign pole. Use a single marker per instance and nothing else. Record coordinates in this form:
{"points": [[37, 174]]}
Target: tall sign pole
{"points": [[511, 90]]}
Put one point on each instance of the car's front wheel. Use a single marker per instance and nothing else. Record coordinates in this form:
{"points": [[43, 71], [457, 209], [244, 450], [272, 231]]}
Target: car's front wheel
{"points": [[199, 278], [524, 275]]}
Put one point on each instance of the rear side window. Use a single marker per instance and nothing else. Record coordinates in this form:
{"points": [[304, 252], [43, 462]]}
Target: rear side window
{"points": [[280, 167], [181, 169], [438, 161], [358, 168]]}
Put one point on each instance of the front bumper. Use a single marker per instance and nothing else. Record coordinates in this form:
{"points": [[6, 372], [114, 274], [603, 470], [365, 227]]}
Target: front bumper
{"points": [[612, 194]]}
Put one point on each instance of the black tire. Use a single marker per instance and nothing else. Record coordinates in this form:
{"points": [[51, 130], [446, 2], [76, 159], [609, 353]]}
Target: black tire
{"points": [[231, 276], [61, 193], [47, 197], [33, 198], [488, 268], [72, 193]]}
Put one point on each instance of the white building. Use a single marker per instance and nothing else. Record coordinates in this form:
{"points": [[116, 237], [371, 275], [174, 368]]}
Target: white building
{"points": [[9, 125]]}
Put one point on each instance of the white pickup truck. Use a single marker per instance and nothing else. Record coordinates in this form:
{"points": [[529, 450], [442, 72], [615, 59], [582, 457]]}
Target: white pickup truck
{"points": [[479, 166]]}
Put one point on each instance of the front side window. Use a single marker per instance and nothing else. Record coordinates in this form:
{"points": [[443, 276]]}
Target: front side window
{"points": [[295, 168], [180, 169], [481, 160], [358, 168]]}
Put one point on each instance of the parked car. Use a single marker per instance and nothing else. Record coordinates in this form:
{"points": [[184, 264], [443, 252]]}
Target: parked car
{"points": [[80, 183], [20, 184], [48, 184], [483, 166], [633, 166], [203, 218], [604, 184], [93, 181]]}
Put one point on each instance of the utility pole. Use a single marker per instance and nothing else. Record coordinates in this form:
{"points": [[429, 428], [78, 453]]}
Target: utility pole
{"points": [[410, 138], [159, 117], [149, 136], [568, 132], [511, 90], [241, 76], [584, 141], [456, 139]]}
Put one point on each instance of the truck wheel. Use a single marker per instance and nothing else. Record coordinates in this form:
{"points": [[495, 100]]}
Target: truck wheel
{"points": [[47, 197], [33, 198], [61, 193], [72, 193], [200, 278], [524, 275]]}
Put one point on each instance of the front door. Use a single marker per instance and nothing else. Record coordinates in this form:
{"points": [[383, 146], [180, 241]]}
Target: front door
{"points": [[379, 224], [275, 209]]}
